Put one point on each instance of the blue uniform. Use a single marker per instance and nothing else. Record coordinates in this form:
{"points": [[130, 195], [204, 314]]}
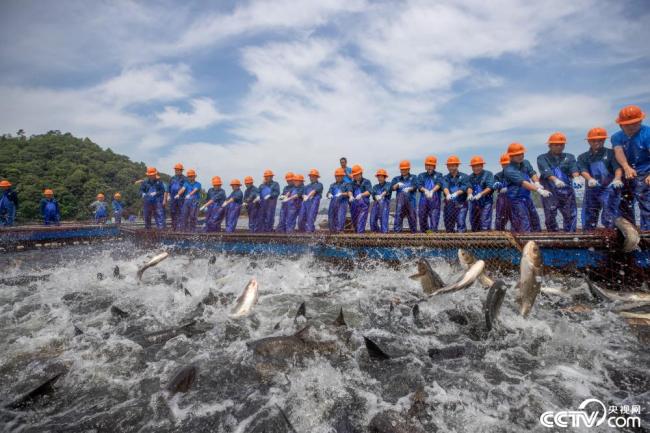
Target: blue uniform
{"points": [[8, 207], [455, 212], [269, 193], [405, 206], [359, 208], [523, 215], [252, 206], [429, 208], [282, 218], [309, 208], [291, 208], [190, 209], [502, 213], [480, 211], [50, 211], [233, 209], [101, 211], [338, 207], [176, 205], [152, 193], [563, 199], [215, 213], [602, 166], [118, 209], [380, 207], [637, 152]]}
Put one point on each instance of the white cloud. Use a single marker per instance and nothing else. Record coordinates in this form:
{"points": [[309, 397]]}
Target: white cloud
{"points": [[203, 114]]}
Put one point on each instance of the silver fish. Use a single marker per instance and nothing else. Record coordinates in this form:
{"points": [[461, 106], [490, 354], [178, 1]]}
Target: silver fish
{"points": [[630, 234], [529, 278], [466, 260], [246, 301], [429, 279], [493, 303], [611, 295], [466, 280], [153, 262]]}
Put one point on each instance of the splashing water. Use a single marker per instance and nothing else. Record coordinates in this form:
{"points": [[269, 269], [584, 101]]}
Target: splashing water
{"points": [[116, 379]]}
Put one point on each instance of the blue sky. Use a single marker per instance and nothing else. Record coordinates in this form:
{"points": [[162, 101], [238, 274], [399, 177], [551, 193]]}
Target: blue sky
{"points": [[231, 88]]}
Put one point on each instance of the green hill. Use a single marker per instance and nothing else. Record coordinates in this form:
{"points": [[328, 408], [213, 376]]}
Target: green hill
{"points": [[76, 169]]}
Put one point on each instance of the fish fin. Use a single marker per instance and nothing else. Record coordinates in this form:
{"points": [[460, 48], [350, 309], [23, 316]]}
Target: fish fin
{"points": [[416, 276], [140, 272], [302, 334], [302, 311], [595, 293], [340, 320], [374, 351]]}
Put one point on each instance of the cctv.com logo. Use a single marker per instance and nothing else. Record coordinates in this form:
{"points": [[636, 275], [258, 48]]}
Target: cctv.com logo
{"points": [[594, 418]]}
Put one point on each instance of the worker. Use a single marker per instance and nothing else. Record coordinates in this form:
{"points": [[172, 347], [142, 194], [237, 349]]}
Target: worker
{"points": [[8, 204], [632, 149], [100, 208], [176, 182], [360, 190], [521, 179], [118, 208], [311, 202], [293, 201], [338, 193], [455, 185], [381, 194], [269, 192], [215, 212], [251, 203], [348, 171], [282, 218], [152, 191], [502, 213], [557, 170], [405, 186], [602, 175], [430, 187], [479, 195], [191, 194], [50, 209], [232, 205]]}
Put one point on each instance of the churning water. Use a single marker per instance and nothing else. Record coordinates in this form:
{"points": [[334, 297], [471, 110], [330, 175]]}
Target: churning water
{"points": [[114, 380]]}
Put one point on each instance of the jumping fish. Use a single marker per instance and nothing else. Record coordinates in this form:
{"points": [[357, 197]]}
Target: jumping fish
{"points": [[466, 260], [466, 280], [429, 279], [611, 295], [246, 301], [493, 303], [288, 346], [374, 351], [153, 262], [340, 320], [183, 379], [630, 234], [32, 396], [528, 286], [637, 312]]}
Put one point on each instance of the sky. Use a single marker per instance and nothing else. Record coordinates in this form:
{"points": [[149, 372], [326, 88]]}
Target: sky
{"points": [[233, 88]]}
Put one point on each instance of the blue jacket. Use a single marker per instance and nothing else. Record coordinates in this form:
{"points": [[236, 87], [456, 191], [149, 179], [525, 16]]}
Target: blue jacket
{"points": [[237, 196], [562, 166], [460, 182], [272, 188], [429, 181], [175, 184], [251, 194], [217, 195], [514, 175], [380, 188], [44, 204], [482, 181], [361, 187], [315, 186], [149, 187], [295, 190], [601, 165], [636, 148], [499, 181], [339, 187], [11, 195], [117, 205], [409, 181]]}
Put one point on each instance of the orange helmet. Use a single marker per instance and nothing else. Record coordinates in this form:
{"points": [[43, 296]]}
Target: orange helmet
{"points": [[117, 195], [431, 160], [453, 159], [178, 166], [557, 138], [405, 165], [505, 159], [288, 176], [100, 195], [151, 171], [476, 160], [268, 173], [356, 169], [48, 192], [5, 183], [381, 172], [191, 173], [630, 114], [216, 181], [248, 180], [299, 177], [515, 149], [339, 172], [597, 134], [235, 182], [314, 172]]}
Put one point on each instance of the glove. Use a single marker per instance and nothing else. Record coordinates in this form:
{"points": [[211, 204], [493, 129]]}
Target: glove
{"points": [[282, 198], [497, 185], [559, 184], [329, 195], [350, 199], [305, 197], [177, 196], [470, 197], [359, 197], [539, 185], [447, 196], [544, 193], [408, 189], [428, 193], [617, 183], [268, 196], [454, 195], [338, 194], [503, 190], [593, 183], [577, 185], [379, 198], [144, 194], [399, 185], [202, 208], [256, 200]]}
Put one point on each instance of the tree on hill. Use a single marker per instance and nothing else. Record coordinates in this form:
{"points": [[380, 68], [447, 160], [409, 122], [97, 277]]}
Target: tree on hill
{"points": [[76, 169]]}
